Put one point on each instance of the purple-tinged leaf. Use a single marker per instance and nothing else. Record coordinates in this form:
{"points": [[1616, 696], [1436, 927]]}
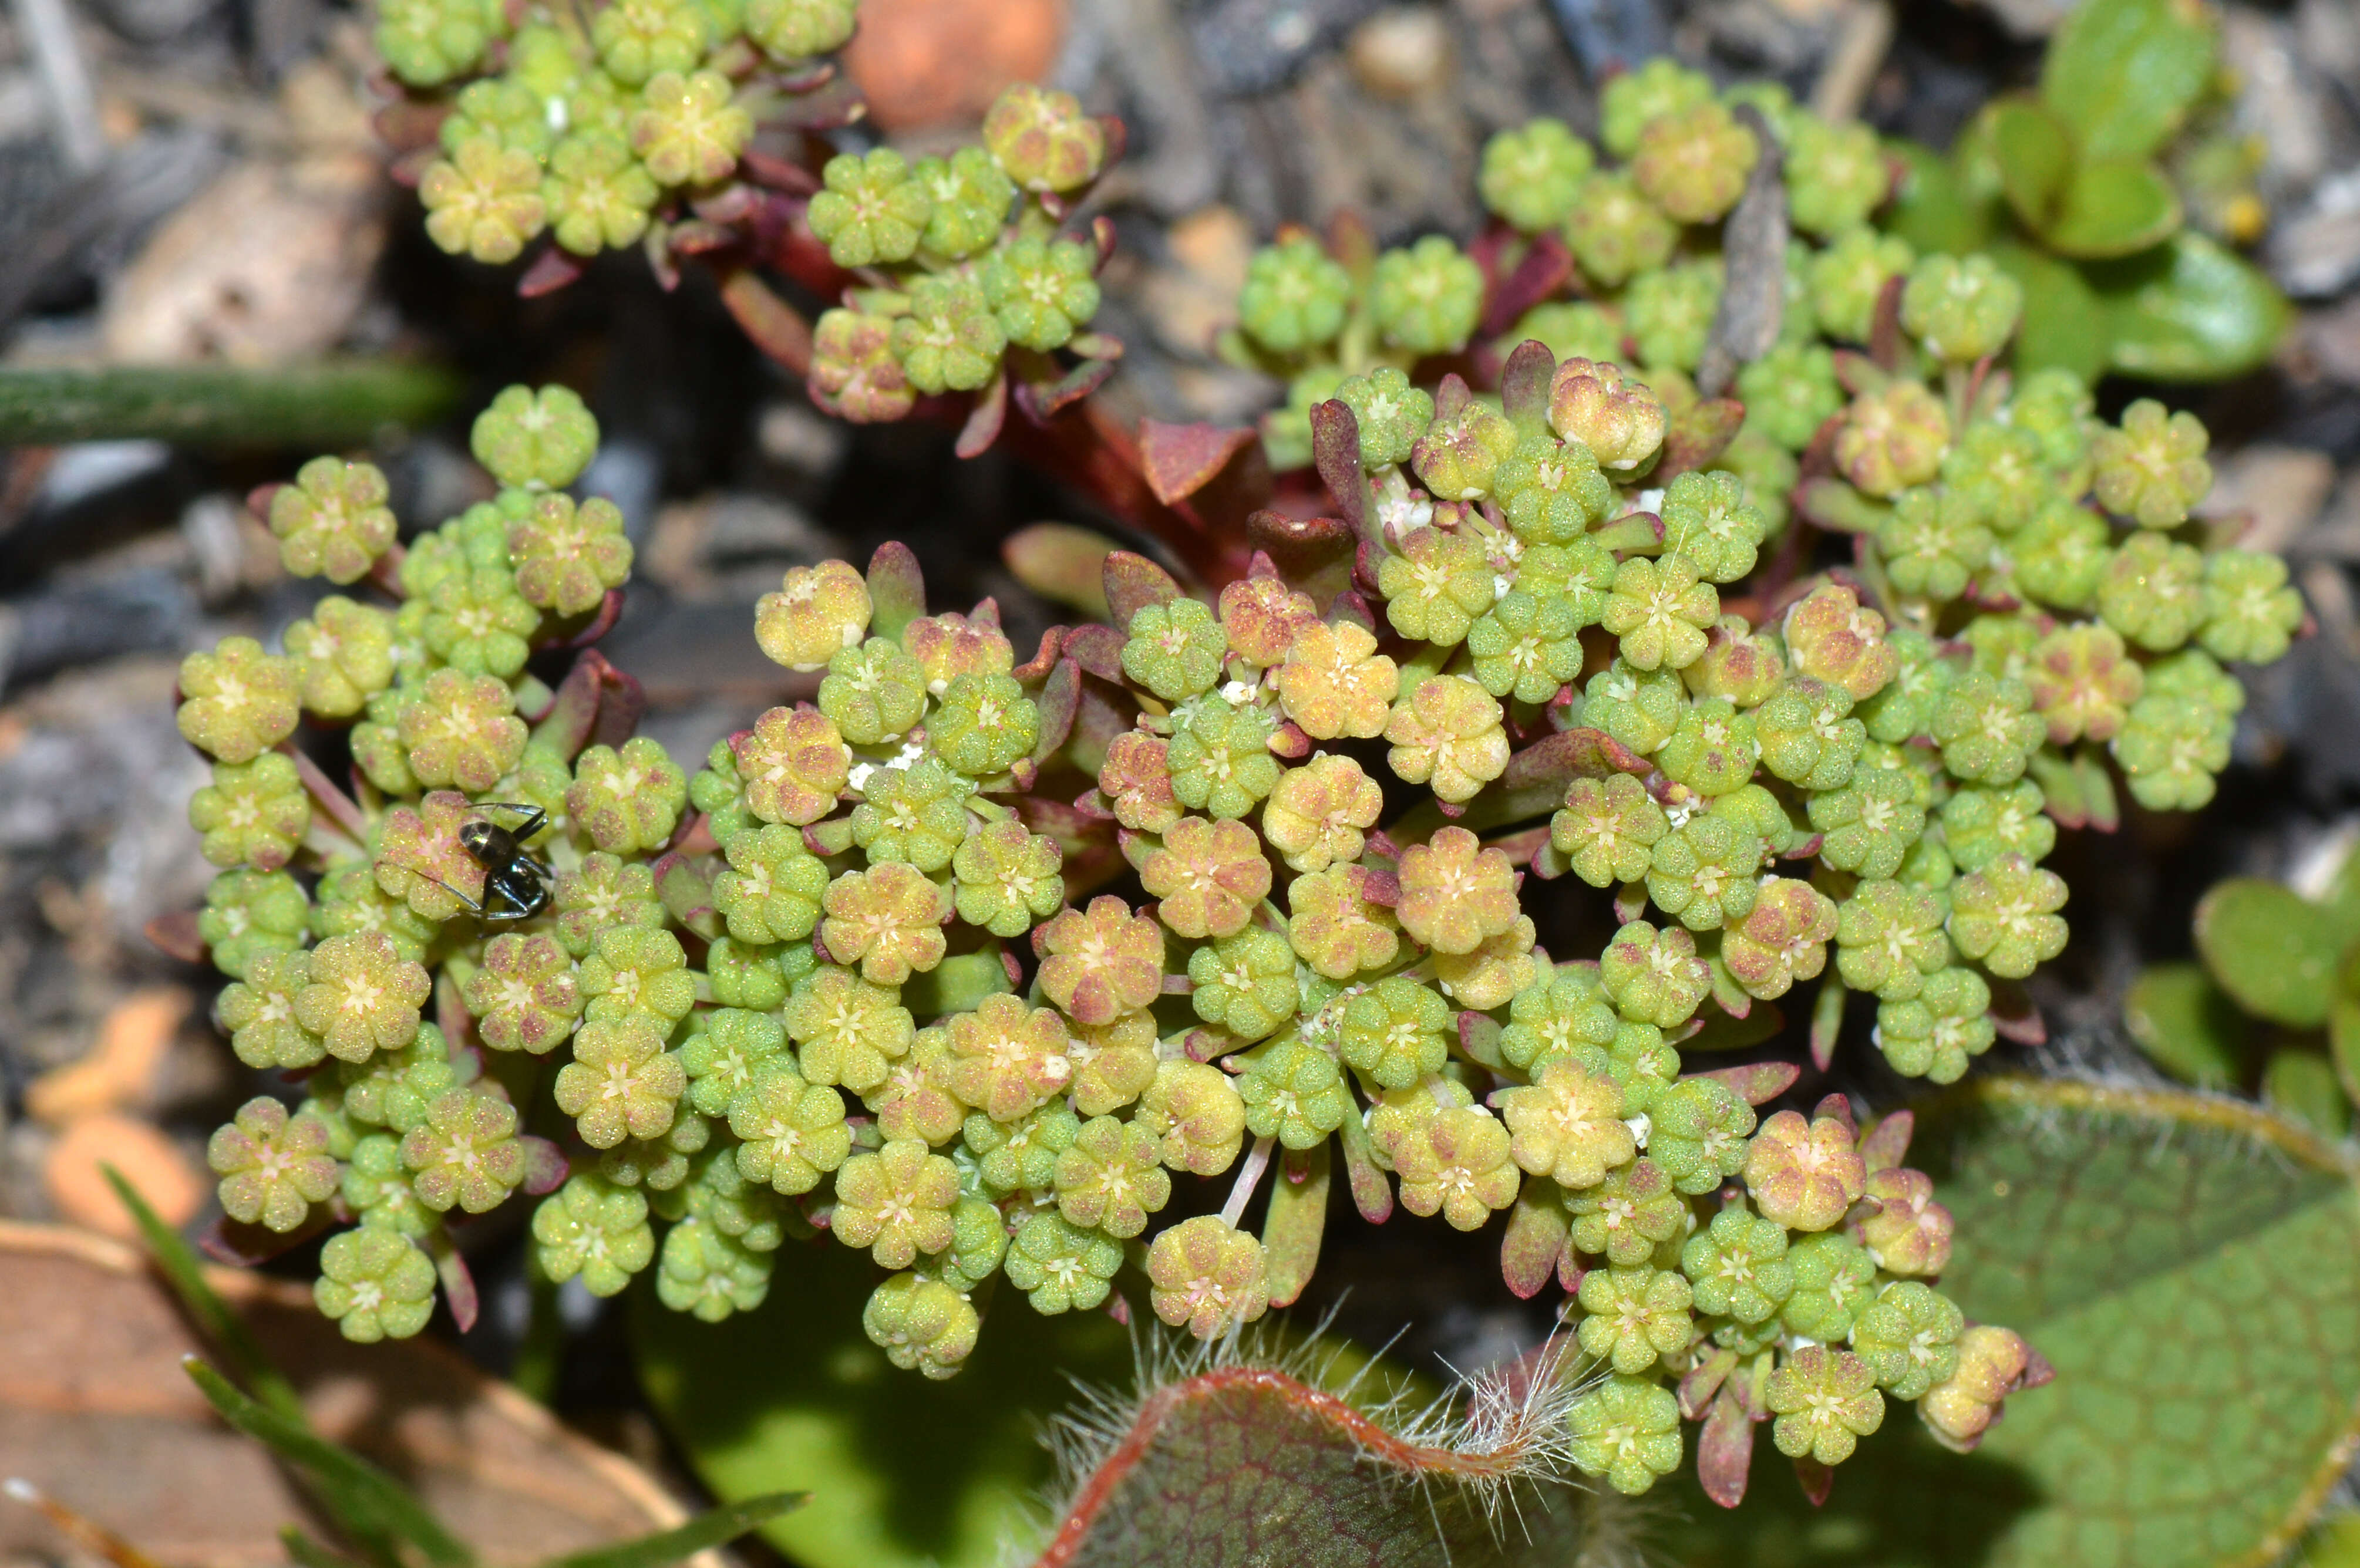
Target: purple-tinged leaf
{"points": [[458, 1280], [2097, 789], [1133, 582], [1478, 1037], [1336, 453], [1827, 1022], [1452, 396], [831, 837], [1886, 346], [1725, 1450], [1524, 383], [2015, 1015], [1698, 433], [1756, 1082], [1887, 1142], [1727, 993], [1718, 1030], [1633, 533], [1536, 779], [897, 589], [1534, 1243], [621, 704], [686, 894], [1547, 266], [1289, 741], [551, 270], [1063, 564], [1096, 648], [778, 173], [986, 420], [775, 326], [1180, 460], [174, 934], [1060, 700], [1837, 1108], [1291, 1231], [242, 1246], [1817, 1480], [544, 1166], [1035, 669], [1703, 1381], [1043, 400], [567, 727], [1316, 554], [1372, 1189]]}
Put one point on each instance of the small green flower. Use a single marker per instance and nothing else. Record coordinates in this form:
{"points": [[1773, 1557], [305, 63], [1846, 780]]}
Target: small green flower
{"points": [[346, 651], [1826, 1401], [791, 1131], [1641, 708], [1633, 1316], [484, 201], [1532, 174], [599, 196], [463, 732], [1870, 823], [1397, 1032], [922, 1324], [1175, 648], [253, 813], [873, 693], [425, 43], [1738, 1265], [1708, 523], [659, 1164], [2005, 916], [1627, 1430], [2171, 748], [1962, 309], [524, 997], [1526, 647], [2249, 611], [1427, 299], [1621, 233], [631, 970], [621, 1082], [1294, 298], [595, 1231], [363, 996], [1294, 1092], [970, 198], [917, 814], [601, 894], [1660, 610], [1889, 937], [896, 1203], [237, 701], [752, 975], [1608, 828], [887, 920], [568, 556], [1043, 291], [1022, 1155], [1655, 977], [465, 1153], [1626, 1217], [1934, 541], [1908, 1338], [1671, 312], [1392, 414], [1847, 277], [333, 522], [983, 725], [1836, 174], [704, 1272], [2061, 555], [2152, 470], [1987, 729], [950, 341], [723, 1056], [1834, 1281], [635, 39], [1551, 491], [1568, 1123], [689, 132], [393, 1088], [1007, 1059], [1635, 98], [1808, 737], [1042, 137], [272, 1167], [1458, 453], [1008, 879], [1109, 1178], [1713, 750], [854, 374], [1936, 1033], [1698, 1128], [2002, 469], [1246, 983], [846, 1031], [2154, 592], [1559, 1012], [1981, 825], [800, 29], [1437, 586], [1062, 1266], [1334, 927], [1705, 872], [375, 1284], [260, 1013], [1220, 758]]}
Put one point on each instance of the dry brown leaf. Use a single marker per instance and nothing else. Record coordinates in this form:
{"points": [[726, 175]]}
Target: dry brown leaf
{"points": [[95, 1410]]}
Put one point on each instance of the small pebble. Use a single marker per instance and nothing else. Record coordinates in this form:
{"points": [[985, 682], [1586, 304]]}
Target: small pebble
{"points": [[1402, 52]]}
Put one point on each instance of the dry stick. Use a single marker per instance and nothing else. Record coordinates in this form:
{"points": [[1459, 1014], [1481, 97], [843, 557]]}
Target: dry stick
{"points": [[49, 34], [1249, 1177], [1753, 245], [1852, 64]]}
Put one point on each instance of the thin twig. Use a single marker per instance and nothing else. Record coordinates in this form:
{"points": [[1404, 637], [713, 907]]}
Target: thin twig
{"points": [[1852, 63]]}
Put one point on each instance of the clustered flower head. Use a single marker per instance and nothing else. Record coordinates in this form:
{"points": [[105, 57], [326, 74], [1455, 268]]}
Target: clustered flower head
{"points": [[960, 961]]}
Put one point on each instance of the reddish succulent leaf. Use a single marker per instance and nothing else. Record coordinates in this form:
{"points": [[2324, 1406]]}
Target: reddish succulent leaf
{"points": [[2014, 1016], [1887, 1142], [1536, 777], [1317, 552], [458, 1282], [1180, 460], [175, 936], [551, 270], [830, 837], [1245, 1465], [1289, 741], [1060, 700], [544, 1166], [242, 1245], [1546, 267], [1042, 400], [1479, 1036], [1524, 382], [1336, 453], [1532, 1244], [574, 713], [1721, 1031], [1372, 1191], [1103, 716], [774, 325], [1292, 1230], [1451, 395], [1698, 433], [1639, 532], [1818, 1480], [1062, 562], [1097, 650], [1700, 1382], [2097, 790], [1727, 993], [620, 703], [1133, 582], [1758, 1082], [1725, 1450], [1886, 343], [1044, 659], [986, 420], [1837, 1108]]}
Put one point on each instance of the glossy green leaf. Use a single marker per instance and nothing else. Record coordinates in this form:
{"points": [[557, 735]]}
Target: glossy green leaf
{"points": [[2112, 207], [2063, 325], [2190, 1269], [2187, 1024], [902, 1472], [2189, 310], [2270, 949], [2123, 74], [1933, 208], [2300, 1084], [2034, 156]]}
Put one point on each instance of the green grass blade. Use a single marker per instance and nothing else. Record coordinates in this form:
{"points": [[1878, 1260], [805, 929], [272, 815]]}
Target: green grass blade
{"points": [[186, 1274], [306, 1552], [362, 1497], [329, 404], [710, 1528]]}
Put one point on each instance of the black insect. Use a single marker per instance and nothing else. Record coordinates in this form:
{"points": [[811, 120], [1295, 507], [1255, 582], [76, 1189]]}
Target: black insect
{"points": [[515, 881]]}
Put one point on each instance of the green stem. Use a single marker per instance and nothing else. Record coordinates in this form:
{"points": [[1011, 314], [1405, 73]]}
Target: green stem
{"points": [[334, 403]]}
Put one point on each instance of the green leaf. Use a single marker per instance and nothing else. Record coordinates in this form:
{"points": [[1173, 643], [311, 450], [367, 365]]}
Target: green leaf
{"points": [[182, 1271], [1297, 1218], [1240, 1468], [957, 984], [307, 1551], [715, 1526], [2270, 949], [1063, 564], [2034, 156], [2300, 1084], [374, 1501], [1934, 209], [2187, 1024], [2114, 207], [333, 404], [902, 1472], [2123, 73], [2189, 310], [2189, 1266], [2063, 324]]}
